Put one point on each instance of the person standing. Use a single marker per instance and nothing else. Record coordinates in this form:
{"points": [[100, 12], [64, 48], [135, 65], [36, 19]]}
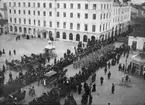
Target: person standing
{"points": [[3, 51], [79, 88], [90, 99], [14, 52], [10, 52], [113, 88], [109, 74], [94, 88], [105, 70], [101, 80]]}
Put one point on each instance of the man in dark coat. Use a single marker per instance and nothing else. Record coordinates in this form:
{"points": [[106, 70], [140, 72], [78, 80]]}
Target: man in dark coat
{"points": [[109, 74], [94, 88], [9, 52], [113, 88], [14, 52], [79, 88], [3, 51], [90, 99], [101, 80], [105, 70]]}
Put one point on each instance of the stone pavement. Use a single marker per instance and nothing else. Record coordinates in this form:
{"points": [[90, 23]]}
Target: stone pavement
{"points": [[131, 94]]}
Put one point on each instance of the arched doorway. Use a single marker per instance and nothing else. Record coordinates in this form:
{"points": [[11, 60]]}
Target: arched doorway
{"points": [[11, 28], [70, 36], [77, 37], [50, 34], [20, 29], [29, 30], [39, 36], [64, 35], [25, 30], [85, 38], [44, 34], [92, 38], [15, 29], [57, 35]]}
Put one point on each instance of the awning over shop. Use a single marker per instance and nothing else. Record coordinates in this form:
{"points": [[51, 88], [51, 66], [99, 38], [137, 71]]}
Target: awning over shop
{"points": [[140, 58]]}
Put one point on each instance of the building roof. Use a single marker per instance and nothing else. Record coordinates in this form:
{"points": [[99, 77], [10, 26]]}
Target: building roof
{"points": [[3, 22], [138, 7]]}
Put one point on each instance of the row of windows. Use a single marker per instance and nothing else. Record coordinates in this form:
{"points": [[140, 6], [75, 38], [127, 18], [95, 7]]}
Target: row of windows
{"points": [[104, 27], [58, 14], [59, 5], [71, 25], [105, 16], [118, 19], [122, 10]]}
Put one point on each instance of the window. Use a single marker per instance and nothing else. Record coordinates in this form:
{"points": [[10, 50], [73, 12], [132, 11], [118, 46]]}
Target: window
{"points": [[71, 15], [64, 14], [29, 21], [100, 28], [86, 27], [103, 27], [24, 4], [57, 14], [50, 5], [10, 4], [58, 6], [101, 16], [64, 24], [64, 35], [44, 13], [144, 46], [107, 6], [64, 5], [50, 13], [50, 23], [94, 6], [14, 11], [10, 11], [86, 6], [44, 5], [38, 13], [29, 12], [107, 15], [19, 12], [78, 15], [15, 20], [11, 20], [101, 6], [34, 22], [104, 15], [104, 6], [86, 16], [78, 26], [57, 24], [38, 5], [24, 12], [14, 4], [71, 25], [24, 21], [79, 6], [71, 5], [33, 4], [38, 22], [44, 22], [33, 12], [28, 4], [93, 28], [94, 16], [70, 36], [19, 4]]}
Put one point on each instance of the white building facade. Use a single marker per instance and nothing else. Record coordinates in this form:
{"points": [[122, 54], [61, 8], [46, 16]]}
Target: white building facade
{"points": [[67, 20]]}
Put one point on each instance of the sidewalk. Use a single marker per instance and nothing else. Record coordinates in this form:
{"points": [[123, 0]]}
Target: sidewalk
{"points": [[132, 94]]}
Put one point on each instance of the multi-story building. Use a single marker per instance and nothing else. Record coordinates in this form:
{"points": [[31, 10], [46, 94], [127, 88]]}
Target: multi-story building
{"points": [[70, 20]]}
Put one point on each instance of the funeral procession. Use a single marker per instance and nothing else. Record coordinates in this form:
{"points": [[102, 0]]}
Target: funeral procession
{"points": [[72, 52]]}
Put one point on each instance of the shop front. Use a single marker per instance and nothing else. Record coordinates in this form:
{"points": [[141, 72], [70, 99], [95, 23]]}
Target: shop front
{"points": [[138, 63]]}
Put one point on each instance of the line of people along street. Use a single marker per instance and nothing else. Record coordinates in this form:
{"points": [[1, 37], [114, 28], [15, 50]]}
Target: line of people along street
{"points": [[2, 52]]}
